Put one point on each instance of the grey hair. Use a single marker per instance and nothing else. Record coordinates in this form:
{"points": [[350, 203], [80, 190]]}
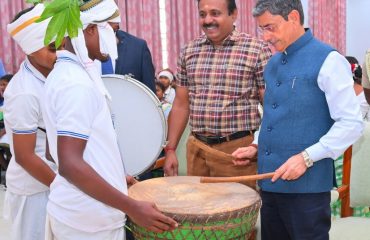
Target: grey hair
{"points": [[279, 7]]}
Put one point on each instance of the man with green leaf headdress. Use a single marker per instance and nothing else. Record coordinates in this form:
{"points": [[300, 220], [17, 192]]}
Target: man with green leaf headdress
{"points": [[88, 198]]}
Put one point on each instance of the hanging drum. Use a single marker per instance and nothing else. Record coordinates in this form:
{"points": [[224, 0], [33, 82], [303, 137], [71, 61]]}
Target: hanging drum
{"points": [[139, 122]]}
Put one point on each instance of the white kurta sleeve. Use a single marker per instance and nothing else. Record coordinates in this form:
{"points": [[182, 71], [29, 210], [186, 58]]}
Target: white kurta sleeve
{"points": [[335, 80], [22, 112]]}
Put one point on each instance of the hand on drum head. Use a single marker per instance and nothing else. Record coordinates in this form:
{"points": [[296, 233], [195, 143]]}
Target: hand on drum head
{"points": [[171, 164], [244, 156], [147, 215]]}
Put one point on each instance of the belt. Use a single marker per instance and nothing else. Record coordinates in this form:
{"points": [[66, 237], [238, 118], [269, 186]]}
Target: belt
{"points": [[221, 139]]}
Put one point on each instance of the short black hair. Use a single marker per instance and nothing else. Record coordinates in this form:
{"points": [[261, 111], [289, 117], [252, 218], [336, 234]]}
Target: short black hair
{"points": [[7, 77], [356, 69], [160, 85], [279, 7], [352, 60], [24, 11], [231, 6]]}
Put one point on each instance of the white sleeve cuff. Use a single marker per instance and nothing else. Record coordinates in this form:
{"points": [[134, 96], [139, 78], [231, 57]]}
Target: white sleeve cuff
{"points": [[318, 152], [256, 134]]}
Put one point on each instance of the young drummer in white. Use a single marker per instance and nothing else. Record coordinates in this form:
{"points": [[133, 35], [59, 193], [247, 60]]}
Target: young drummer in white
{"points": [[29, 173], [88, 198]]}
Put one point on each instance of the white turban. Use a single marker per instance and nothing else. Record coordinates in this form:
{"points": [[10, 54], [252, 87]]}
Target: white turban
{"points": [[108, 44], [108, 41], [28, 34], [115, 20], [94, 12], [97, 11], [166, 74]]}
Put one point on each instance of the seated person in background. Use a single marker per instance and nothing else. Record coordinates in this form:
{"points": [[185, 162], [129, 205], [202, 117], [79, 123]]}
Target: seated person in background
{"points": [[365, 76], [166, 77], [159, 91], [357, 78], [4, 80], [5, 154]]}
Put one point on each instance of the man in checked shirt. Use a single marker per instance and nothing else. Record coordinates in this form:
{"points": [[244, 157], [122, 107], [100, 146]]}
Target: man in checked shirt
{"points": [[220, 84]]}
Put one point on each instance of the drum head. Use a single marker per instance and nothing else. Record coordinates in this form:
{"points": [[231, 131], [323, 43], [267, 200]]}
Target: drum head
{"points": [[186, 195], [138, 120]]}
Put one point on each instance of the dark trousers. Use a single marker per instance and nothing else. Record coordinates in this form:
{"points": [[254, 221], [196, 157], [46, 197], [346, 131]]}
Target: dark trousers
{"points": [[287, 216]]}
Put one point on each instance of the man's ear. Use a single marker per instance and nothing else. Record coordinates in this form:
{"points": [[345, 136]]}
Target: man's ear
{"points": [[294, 16], [91, 28], [235, 15]]}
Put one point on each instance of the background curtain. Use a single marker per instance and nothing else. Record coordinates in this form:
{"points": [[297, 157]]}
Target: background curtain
{"points": [[327, 19], [183, 24], [10, 53], [245, 21], [182, 27], [141, 18]]}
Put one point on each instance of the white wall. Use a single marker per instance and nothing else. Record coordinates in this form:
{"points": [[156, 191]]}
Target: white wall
{"points": [[305, 11], [358, 28]]}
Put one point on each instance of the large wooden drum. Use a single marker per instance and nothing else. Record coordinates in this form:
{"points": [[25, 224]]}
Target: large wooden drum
{"points": [[203, 210]]}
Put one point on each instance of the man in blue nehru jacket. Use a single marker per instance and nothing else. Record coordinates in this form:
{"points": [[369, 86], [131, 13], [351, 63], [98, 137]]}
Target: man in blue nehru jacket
{"points": [[310, 117]]}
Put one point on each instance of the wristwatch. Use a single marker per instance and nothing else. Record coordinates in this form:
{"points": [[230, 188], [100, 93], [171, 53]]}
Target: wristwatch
{"points": [[307, 160]]}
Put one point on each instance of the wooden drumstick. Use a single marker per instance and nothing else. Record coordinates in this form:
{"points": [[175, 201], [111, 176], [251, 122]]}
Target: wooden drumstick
{"points": [[236, 179]]}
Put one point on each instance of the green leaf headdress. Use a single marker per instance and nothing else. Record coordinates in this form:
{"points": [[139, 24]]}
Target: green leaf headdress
{"points": [[65, 18]]}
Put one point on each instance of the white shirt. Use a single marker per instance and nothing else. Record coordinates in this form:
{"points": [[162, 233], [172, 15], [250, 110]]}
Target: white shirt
{"points": [[169, 95], [366, 71], [335, 80], [76, 108], [364, 106], [22, 115]]}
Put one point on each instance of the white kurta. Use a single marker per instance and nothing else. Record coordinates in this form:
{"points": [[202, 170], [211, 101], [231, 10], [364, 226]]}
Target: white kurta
{"points": [[26, 197], [76, 108]]}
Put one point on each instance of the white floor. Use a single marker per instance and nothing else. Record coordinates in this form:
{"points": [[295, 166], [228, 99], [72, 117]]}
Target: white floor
{"points": [[4, 226]]}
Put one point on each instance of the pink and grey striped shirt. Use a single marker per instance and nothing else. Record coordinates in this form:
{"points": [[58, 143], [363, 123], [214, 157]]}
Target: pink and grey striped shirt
{"points": [[223, 82]]}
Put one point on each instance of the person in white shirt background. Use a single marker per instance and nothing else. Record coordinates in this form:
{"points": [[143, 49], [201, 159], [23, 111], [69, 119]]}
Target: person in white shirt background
{"points": [[166, 77], [159, 91], [29, 173], [359, 90], [5, 154], [365, 76]]}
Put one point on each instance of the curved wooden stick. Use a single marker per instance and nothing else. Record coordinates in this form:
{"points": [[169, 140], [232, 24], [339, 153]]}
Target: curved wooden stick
{"points": [[236, 179]]}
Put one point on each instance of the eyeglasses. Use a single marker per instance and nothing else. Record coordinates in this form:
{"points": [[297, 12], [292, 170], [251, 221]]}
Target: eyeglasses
{"points": [[270, 28]]}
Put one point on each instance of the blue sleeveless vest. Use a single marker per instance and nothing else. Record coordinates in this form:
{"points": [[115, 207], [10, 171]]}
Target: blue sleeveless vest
{"points": [[296, 115]]}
